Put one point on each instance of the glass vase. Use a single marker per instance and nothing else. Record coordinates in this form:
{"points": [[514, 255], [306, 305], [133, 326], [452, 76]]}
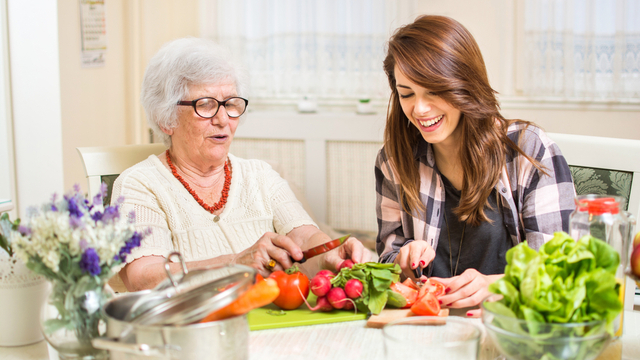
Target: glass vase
{"points": [[72, 316]]}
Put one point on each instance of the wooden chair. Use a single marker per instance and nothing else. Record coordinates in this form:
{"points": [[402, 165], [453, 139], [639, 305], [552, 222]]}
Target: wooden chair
{"points": [[606, 166], [104, 164]]}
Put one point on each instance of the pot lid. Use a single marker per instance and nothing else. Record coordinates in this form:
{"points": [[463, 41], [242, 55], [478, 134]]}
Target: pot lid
{"points": [[192, 296]]}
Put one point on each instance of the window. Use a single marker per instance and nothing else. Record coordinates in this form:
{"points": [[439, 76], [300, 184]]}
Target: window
{"points": [[331, 50], [582, 50]]}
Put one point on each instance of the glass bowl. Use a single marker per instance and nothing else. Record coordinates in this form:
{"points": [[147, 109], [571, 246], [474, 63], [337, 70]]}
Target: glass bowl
{"points": [[431, 337], [519, 339]]}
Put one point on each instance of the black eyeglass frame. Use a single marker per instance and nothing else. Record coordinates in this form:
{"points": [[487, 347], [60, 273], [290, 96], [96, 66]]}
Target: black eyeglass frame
{"points": [[223, 103]]}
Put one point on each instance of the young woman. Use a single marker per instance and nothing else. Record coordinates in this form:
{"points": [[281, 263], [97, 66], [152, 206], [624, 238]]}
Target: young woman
{"points": [[457, 183]]}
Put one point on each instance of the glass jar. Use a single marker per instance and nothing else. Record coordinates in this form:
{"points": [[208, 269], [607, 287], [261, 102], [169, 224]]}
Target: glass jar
{"points": [[603, 217]]}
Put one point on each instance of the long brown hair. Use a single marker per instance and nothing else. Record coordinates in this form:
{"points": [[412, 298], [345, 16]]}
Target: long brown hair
{"points": [[440, 54]]}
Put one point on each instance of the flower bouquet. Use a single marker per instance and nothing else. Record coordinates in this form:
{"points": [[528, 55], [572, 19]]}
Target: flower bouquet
{"points": [[77, 245]]}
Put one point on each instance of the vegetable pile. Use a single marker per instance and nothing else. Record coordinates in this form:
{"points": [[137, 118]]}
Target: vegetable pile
{"points": [[363, 285]]}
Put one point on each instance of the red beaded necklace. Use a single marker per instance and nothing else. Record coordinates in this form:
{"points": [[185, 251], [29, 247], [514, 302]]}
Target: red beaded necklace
{"points": [[225, 188]]}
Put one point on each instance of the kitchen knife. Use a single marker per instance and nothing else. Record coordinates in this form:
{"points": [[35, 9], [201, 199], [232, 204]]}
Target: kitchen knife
{"points": [[321, 249]]}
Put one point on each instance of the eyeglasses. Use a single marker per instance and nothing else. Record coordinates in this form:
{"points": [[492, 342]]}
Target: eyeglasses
{"points": [[207, 107]]}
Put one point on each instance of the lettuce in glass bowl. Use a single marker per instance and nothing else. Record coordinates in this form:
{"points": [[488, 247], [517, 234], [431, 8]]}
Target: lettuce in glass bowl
{"points": [[559, 302]]}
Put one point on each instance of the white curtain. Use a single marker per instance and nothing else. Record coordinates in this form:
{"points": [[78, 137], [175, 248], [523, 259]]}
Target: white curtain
{"points": [[324, 49], [582, 49]]}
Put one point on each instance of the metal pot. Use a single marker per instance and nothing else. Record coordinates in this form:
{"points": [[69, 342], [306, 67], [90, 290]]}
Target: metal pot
{"points": [[225, 339], [163, 323]]}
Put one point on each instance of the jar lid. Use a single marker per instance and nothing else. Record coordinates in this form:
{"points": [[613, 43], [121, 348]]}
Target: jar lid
{"points": [[599, 206], [193, 296]]}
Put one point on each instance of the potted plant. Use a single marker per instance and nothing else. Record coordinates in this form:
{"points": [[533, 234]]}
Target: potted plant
{"points": [[22, 293]]}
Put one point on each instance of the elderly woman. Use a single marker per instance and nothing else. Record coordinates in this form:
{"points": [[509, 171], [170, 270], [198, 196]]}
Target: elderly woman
{"points": [[197, 198]]}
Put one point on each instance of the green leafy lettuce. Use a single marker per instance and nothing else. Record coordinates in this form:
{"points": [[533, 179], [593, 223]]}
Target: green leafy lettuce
{"points": [[566, 281], [376, 279]]}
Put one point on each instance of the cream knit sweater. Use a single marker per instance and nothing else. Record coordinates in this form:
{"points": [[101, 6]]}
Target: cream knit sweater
{"points": [[259, 201]]}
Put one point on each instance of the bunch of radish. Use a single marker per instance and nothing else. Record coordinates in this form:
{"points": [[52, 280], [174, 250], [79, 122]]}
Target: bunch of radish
{"points": [[333, 297]]}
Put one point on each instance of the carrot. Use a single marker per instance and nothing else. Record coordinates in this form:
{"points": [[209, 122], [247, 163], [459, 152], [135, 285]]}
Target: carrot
{"points": [[263, 292]]}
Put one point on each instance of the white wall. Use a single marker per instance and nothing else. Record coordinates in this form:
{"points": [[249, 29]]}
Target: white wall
{"points": [[35, 86], [6, 133], [93, 100], [100, 106]]}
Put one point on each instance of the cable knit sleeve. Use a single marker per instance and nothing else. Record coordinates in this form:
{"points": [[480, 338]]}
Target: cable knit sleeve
{"points": [[137, 185]]}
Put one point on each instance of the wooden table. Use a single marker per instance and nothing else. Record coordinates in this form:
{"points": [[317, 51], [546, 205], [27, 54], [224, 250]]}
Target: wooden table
{"points": [[348, 340]]}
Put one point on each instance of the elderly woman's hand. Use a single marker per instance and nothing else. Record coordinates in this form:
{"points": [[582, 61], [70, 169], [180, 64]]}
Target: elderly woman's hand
{"points": [[270, 246], [351, 249]]}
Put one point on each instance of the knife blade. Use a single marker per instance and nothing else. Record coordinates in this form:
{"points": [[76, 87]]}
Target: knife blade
{"points": [[321, 249]]}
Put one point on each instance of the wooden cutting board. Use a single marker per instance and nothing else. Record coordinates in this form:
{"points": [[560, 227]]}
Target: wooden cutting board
{"points": [[388, 315]]}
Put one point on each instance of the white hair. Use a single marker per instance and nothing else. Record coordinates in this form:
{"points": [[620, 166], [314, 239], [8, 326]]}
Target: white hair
{"points": [[176, 67]]}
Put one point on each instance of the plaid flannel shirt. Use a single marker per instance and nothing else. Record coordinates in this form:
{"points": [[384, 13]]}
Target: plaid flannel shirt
{"points": [[534, 205]]}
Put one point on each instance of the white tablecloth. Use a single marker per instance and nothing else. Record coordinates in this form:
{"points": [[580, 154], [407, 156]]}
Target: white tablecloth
{"points": [[348, 340]]}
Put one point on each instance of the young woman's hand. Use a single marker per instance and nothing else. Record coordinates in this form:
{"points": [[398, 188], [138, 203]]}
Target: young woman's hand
{"points": [[416, 253], [466, 290]]}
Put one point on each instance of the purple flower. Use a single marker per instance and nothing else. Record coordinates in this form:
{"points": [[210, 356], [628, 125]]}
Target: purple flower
{"points": [[90, 262], [75, 222], [131, 217], [111, 213], [129, 245], [74, 208], [97, 216], [99, 198], [24, 231]]}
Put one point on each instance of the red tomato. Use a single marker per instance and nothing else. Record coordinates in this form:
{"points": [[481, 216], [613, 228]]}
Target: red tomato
{"points": [[410, 283], [291, 284], [428, 305], [433, 287], [408, 293]]}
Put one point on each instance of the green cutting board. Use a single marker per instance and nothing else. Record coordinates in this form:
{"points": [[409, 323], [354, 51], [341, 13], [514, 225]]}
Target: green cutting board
{"points": [[264, 318]]}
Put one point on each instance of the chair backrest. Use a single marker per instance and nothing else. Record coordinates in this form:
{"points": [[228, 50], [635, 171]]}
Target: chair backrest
{"points": [[105, 163], [607, 166]]}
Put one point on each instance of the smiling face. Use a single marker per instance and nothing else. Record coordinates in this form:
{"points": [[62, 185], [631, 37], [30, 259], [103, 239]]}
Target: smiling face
{"points": [[204, 142], [436, 119]]}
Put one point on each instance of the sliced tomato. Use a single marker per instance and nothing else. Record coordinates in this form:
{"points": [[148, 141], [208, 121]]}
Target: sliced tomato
{"points": [[410, 283], [433, 287], [411, 295], [427, 305]]}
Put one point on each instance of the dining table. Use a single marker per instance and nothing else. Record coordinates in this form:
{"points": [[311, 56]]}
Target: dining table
{"points": [[349, 340]]}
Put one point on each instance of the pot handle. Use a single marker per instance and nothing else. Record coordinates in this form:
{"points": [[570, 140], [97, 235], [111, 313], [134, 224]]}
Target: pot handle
{"points": [[168, 269], [167, 351]]}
